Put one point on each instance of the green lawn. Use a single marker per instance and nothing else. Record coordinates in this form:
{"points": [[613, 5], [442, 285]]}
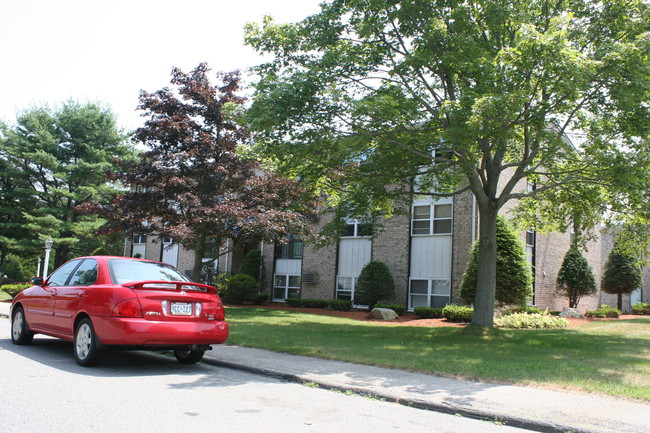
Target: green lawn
{"points": [[4, 296], [607, 357]]}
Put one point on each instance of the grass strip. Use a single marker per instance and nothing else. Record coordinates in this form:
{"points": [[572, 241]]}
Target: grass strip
{"points": [[607, 357]]}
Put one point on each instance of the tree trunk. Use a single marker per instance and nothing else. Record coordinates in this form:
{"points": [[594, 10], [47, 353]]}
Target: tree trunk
{"points": [[487, 265], [199, 252], [61, 253], [619, 302]]}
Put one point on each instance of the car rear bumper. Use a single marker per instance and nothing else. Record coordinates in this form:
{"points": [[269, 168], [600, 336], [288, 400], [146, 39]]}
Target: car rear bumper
{"points": [[142, 332]]}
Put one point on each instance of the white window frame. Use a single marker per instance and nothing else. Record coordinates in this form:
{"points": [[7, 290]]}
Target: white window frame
{"points": [[286, 286], [356, 223], [432, 219], [339, 291], [429, 294]]}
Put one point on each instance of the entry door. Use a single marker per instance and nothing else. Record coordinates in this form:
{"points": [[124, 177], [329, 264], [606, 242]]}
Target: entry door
{"points": [[170, 252]]}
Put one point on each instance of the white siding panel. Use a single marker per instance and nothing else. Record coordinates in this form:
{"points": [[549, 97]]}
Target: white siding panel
{"points": [[431, 257], [170, 254], [288, 266], [139, 249], [354, 254]]}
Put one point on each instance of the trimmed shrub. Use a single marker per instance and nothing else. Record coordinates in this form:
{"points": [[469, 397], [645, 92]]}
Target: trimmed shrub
{"points": [[527, 309], [239, 289], [13, 289], [313, 303], [527, 321], [306, 303], [641, 308], [340, 305], [604, 312], [457, 313], [622, 275], [576, 278], [513, 275], [293, 302], [428, 312], [259, 298], [399, 309], [252, 264], [375, 283]]}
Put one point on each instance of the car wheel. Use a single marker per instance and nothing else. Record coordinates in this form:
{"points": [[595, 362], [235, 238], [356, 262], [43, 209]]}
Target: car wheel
{"points": [[20, 333], [189, 356], [86, 352]]}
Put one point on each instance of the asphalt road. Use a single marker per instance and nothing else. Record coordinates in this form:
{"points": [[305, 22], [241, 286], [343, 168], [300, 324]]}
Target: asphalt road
{"points": [[43, 390]]}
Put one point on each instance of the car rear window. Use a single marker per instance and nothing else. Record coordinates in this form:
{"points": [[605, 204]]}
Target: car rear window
{"points": [[125, 271]]}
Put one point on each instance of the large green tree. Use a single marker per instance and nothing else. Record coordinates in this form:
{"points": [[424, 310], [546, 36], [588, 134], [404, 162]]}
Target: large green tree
{"points": [[53, 160], [367, 95]]}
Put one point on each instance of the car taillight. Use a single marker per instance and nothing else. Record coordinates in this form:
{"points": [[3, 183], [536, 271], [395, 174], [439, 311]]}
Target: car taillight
{"points": [[128, 308], [221, 312]]}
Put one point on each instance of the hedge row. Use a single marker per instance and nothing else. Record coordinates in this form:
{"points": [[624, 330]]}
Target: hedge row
{"points": [[530, 320], [641, 308], [605, 311], [13, 289]]}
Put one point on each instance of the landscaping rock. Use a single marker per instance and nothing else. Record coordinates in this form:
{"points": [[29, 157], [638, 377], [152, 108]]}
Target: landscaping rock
{"points": [[382, 313], [571, 312]]}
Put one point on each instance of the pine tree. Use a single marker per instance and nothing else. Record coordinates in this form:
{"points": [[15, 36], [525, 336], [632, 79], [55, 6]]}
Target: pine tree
{"points": [[513, 273], [622, 275], [375, 283], [576, 278]]}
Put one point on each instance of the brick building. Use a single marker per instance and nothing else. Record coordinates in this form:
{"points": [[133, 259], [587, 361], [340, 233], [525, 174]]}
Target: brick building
{"points": [[426, 249]]}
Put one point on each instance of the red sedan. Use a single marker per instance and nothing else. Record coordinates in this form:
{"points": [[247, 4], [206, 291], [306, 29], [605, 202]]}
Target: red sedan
{"points": [[104, 302]]}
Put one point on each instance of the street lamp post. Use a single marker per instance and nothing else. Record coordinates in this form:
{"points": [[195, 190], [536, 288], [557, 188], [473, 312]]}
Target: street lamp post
{"points": [[38, 268], [48, 248]]}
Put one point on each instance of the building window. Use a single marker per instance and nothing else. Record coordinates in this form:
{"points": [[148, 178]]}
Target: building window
{"points": [[434, 293], [431, 219], [286, 287], [357, 229], [292, 249], [530, 257], [139, 239], [345, 288], [211, 248]]}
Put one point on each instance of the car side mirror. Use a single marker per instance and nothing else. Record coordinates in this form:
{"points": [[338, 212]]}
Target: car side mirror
{"points": [[37, 281]]}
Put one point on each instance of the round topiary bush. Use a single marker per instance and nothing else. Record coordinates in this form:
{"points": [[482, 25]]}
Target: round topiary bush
{"points": [[375, 283], [239, 289], [457, 313]]}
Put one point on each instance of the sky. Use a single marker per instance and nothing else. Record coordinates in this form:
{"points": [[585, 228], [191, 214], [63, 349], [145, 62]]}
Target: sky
{"points": [[107, 51]]}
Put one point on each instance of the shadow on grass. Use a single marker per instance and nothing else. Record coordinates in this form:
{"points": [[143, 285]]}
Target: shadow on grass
{"points": [[606, 362]]}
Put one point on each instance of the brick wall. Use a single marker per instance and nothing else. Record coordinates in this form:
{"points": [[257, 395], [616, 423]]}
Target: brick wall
{"points": [[321, 262], [391, 246], [462, 241]]}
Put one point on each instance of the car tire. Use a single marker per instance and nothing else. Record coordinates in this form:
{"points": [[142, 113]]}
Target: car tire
{"points": [[20, 333], [188, 356], [85, 348]]}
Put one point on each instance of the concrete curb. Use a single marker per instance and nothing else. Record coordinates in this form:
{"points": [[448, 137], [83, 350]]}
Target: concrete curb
{"points": [[532, 424]]}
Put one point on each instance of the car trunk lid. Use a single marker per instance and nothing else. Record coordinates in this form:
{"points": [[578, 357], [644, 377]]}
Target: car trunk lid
{"points": [[177, 300]]}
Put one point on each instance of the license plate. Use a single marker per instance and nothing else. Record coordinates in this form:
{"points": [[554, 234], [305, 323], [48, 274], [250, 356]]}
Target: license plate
{"points": [[181, 309]]}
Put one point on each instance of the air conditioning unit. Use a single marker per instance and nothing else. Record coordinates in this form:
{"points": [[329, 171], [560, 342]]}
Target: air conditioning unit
{"points": [[309, 278]]}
